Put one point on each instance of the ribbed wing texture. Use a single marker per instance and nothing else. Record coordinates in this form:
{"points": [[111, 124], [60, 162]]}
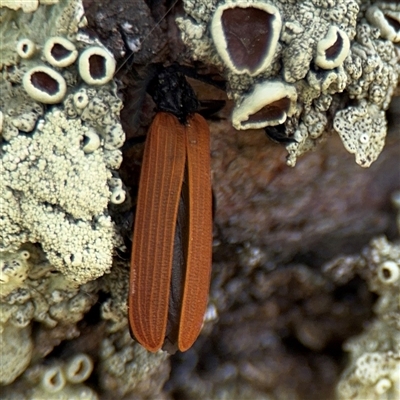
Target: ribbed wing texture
{"points": [[156, 213], [199, 252]]}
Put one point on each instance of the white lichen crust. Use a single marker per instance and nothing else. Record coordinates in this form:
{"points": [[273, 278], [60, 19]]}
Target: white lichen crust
{"points": [[324, 49], [15, 352], [373, 370], [32, 290], [374, 366], [362, 130], [387, 19], [53, 380]]}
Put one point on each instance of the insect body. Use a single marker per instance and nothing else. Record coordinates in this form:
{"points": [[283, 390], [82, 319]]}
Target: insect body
{"points": [[171, 254]]}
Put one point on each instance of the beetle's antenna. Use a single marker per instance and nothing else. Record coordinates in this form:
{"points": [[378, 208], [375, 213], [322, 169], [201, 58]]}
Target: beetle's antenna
{"points": [[148, 34]]}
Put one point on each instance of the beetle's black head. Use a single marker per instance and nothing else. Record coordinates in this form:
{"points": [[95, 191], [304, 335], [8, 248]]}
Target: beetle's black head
{"points": [[172, 93]]}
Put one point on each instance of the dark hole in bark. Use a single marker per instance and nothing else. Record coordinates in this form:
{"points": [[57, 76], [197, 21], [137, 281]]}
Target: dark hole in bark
{"points": [[248, 33], [59, 52], [272, 111], [393, 22], [97, 66], [45, 83], [332, 52]]}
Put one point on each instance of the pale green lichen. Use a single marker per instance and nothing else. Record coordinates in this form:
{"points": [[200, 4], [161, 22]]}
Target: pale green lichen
{"points": [[98, 108], [43, 296], [63, 18], [20, 112], [51, 167], [62, 194], [58, 178], [16, 347], [55, 180]]}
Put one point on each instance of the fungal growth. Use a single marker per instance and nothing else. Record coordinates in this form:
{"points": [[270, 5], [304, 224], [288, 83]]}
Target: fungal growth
{"points": [[79, 368], [45, 85], [53, 379], [246, 35], [96, 66], [81, 99], [388, 272], [60, 52], [118, 196], [386, 20], [269, 104], [333, 49], [26, 48]]}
